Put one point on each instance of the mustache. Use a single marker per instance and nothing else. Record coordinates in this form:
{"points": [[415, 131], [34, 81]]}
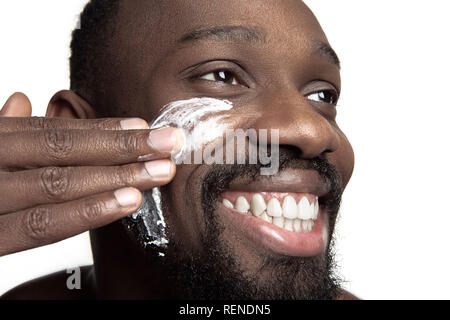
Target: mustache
{"points": [[219, 178]]}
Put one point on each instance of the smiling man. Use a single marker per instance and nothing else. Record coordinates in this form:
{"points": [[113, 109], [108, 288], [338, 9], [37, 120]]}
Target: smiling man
{"points": [[232, 232]]}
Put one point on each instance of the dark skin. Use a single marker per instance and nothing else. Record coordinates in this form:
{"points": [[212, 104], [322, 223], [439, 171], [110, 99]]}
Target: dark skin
{"points": [[278, 68]]}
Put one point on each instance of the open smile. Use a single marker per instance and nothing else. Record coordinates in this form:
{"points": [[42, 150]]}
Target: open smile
{"points": [[286, 222]]}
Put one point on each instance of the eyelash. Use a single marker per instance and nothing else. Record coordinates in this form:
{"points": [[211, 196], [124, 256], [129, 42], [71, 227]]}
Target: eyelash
{"points": [[217, 74], [329, 96]]}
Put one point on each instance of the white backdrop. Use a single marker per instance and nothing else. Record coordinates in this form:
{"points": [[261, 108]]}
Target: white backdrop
{"points": [[392, 234]]}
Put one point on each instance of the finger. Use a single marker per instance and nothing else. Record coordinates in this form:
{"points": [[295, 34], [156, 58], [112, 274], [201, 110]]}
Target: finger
{"points": [[44, 225], [26, 189], [18, 105], [39, 123], [46, 148]]}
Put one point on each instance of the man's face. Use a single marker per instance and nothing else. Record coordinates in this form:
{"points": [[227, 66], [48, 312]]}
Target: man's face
{"points": [[271, 60]]}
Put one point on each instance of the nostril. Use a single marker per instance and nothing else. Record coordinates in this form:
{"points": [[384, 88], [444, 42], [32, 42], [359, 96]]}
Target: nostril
{"points": [[290, 152], [314, 151]]}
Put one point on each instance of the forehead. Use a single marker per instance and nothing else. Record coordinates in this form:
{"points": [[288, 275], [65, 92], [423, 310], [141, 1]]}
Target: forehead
{"points": [[167, 21], [148, 53]]}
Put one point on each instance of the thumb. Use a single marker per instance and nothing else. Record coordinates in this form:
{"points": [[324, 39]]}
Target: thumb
{"points": [[18, 105]]}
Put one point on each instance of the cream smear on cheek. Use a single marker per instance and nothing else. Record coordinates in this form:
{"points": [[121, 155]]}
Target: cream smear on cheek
{"points": [[202, 120]]}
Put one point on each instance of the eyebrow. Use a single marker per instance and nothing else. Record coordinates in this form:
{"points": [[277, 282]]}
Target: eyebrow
{"points": [[230, 33], [325, 50], [250, 35]]}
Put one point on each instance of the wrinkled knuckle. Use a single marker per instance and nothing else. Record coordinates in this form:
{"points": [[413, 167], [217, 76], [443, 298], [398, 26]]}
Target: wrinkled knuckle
{"points": [[37, 223], [59, 143], [90, 210], [125, 176], [55, 183], [105, 124], [37, 123], [126, 142]]}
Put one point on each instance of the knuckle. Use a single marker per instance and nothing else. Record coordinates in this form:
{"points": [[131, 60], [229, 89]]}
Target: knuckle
{"points": [[125, 176], [55, 182], [59, 143], [37, 123], [90, 210], [37, 224], [105, 124], [126, 142]]}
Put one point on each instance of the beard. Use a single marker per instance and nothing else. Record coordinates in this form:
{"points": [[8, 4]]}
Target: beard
{"points": [[216, 273]]}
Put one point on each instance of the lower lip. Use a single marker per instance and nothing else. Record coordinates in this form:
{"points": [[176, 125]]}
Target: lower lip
{"points": [[276, 239]]}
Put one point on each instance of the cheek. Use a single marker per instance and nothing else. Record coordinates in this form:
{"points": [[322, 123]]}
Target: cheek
{"points": [[185, 218]]}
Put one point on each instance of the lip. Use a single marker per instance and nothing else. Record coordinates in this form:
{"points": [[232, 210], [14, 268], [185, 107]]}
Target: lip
{"points": [[268, 236], [289, 180]]}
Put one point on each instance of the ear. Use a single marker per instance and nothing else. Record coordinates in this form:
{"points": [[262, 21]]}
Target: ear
{"points": [[68, 104]]}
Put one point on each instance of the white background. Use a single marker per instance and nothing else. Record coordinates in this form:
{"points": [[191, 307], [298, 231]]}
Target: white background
{"points": [[393, 229]]}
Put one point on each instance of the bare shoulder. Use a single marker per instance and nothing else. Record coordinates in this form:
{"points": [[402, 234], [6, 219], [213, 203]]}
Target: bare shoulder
{"points": [[54, 287]]}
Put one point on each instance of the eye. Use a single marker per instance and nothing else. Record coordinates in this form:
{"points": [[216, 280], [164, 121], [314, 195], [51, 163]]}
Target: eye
{"points": [[325, 96], [224, 76]]}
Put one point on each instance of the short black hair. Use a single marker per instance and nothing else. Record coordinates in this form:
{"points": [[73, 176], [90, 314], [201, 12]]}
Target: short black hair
{"points": [[90, 43]]}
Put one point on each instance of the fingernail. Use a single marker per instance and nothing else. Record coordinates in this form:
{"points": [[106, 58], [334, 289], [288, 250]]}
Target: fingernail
{"points": [[134, 124], [159, 169], [127, 197], [166, 140]]}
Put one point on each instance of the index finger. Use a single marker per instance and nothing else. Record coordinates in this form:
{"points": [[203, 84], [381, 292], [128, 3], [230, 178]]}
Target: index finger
{"points": [[14, 124], [44, 148]]}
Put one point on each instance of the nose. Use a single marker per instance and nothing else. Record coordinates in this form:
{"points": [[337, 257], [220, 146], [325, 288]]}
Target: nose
{"points": [[300, 124]]}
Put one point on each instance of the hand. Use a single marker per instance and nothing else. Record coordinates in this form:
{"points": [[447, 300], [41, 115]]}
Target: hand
{"points": [[60, 178]]}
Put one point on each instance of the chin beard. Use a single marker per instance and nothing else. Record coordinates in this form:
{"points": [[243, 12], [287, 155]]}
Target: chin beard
{"points": [[215, 273]]}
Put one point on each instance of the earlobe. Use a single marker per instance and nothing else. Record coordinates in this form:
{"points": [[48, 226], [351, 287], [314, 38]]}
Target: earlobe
{"points": [[68, 104]]}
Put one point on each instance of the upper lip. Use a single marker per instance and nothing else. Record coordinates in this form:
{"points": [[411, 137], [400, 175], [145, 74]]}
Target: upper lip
{"points": [[288, 180]]}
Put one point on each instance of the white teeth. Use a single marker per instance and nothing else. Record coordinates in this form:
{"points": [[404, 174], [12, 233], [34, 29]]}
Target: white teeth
{"points": [[305, 225], [289, 208], [265, 217], [274, 208], [310, 225], [227, 203], [242, 205], [289, 224], [305, 210], [278, 221], [257, 205], [316, 209], [289, 216], [297, 225]]}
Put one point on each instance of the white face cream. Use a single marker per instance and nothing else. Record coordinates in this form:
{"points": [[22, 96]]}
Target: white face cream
{"points": [[202, 120]]}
